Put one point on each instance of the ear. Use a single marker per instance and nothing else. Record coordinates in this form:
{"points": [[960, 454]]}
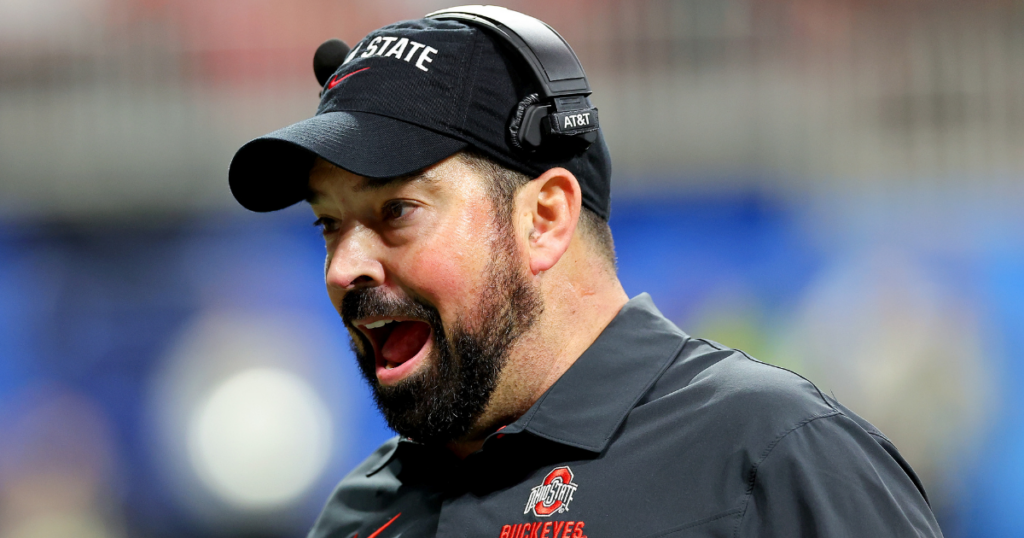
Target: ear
{"points": [[549, 208]]}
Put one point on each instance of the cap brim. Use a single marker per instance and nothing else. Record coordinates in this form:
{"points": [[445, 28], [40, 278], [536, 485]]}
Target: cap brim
{"points": [[272, 172]]}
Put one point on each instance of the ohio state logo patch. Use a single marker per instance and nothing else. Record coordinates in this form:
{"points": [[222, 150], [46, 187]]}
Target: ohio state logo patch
{"points": [[553, 495]]}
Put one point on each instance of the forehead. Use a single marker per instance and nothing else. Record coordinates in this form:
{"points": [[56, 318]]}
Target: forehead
{"points": [[450, 174]]}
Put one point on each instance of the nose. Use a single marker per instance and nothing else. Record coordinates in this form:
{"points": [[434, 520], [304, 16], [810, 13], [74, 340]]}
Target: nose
{"points": [[351, 263]]}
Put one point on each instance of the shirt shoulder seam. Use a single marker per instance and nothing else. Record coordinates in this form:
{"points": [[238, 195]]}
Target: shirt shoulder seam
{"points": [[767, 452], [879, 435]]}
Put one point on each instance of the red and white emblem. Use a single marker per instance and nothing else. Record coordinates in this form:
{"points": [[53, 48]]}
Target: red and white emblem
{"points": [[553, 495]]}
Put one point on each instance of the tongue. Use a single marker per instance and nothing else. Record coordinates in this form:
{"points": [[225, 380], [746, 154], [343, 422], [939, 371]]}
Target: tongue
{"points": [[405, 341]]}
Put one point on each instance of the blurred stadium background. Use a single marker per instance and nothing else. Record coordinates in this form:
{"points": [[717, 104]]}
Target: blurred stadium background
{"points": [[835, 186]]}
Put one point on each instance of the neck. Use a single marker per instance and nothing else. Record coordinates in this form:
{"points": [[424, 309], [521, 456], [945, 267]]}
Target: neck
{"points": [[579, 303]]}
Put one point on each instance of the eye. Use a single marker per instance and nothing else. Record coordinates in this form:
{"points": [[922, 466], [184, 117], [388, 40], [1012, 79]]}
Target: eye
{"points": [[326, 224], [396, 210]]}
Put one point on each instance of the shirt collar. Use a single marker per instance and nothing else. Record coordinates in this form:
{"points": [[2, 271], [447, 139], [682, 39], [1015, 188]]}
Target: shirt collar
{"points": [[588, 403], [585, 407]]}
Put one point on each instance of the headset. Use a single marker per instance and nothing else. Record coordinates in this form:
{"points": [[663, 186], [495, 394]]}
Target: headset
{"points": [[556, 122], [559, 120]]}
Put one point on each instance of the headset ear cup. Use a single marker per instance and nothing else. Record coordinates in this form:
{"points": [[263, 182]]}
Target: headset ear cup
{"points": [[522, 122], [531, 131]]}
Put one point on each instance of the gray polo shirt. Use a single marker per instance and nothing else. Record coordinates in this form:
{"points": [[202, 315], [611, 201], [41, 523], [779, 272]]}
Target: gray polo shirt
{"points": [[650, 433]]}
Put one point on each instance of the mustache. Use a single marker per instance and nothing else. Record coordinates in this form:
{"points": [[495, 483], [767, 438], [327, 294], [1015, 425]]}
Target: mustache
{"points": [[378, 302]]}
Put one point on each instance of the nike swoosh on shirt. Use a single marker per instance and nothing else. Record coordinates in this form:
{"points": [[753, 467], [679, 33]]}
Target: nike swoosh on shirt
{"points": [[392, 520], [334, 82]]}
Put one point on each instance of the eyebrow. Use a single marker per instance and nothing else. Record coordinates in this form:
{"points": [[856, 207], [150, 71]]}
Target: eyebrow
{"points": [[376, 184]]}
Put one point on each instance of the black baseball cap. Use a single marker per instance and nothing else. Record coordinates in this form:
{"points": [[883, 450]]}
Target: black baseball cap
{"points": [[407, 96]]}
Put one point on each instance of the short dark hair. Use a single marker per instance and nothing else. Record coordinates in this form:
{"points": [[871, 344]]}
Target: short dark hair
{"points": [[505, 183]]}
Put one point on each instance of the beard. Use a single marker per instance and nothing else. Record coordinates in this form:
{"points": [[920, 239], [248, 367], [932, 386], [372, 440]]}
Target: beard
{"points": [[442, 401]]}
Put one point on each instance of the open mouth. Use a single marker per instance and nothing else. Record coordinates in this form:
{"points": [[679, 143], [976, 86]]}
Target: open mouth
{"points": [[398, 345]]}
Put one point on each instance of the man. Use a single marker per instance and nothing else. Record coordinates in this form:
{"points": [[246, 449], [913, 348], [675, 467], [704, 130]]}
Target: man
{"points": [[531, 396]]}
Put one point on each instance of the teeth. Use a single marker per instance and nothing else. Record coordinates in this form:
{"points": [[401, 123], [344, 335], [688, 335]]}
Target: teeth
{"points": [[378, 324], [390, 365]]}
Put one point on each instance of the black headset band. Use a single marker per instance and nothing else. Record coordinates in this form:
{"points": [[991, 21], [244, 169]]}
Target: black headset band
{"points": [[553, 62]]}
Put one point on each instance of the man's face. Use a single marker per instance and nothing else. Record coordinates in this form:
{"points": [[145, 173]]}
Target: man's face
{"points": [[430, 282]]}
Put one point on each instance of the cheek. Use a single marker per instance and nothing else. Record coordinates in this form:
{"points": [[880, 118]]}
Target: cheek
{"points": [[451, 266]]}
